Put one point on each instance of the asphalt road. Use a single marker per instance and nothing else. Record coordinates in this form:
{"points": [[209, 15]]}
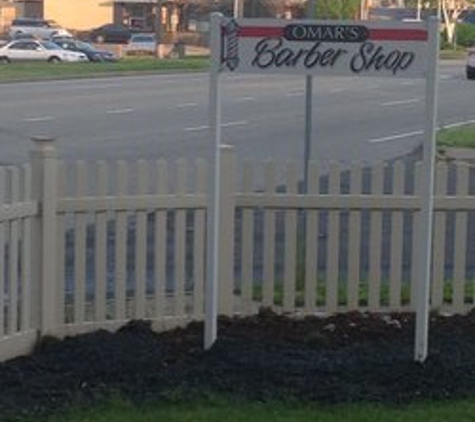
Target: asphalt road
{"points": [[364, 119]]}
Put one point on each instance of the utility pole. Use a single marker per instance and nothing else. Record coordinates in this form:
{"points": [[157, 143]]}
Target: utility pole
{"points": [[238, 9], [158, 28]]}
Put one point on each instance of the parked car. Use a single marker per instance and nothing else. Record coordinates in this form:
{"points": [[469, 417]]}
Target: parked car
{"points": [[38, 50], [110, 33], [471, 63], [141, 43], [39, 28], [93, 54]]}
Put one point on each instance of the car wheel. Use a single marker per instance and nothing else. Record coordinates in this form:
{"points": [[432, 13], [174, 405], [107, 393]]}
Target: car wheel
{"points": [[100, 39], [4, 60], [54, 59]]}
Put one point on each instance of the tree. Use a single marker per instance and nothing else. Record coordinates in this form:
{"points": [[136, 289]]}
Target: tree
{"points": [[451, 10], [338, 9]]}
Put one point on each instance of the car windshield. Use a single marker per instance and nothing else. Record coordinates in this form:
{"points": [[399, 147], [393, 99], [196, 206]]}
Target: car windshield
{"points": [[50, 45], [85, 46]]}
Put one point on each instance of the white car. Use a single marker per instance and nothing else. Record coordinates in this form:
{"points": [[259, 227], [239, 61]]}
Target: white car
{"points": [[37, 50], [141, 43], [39, 28], [471, 63]]}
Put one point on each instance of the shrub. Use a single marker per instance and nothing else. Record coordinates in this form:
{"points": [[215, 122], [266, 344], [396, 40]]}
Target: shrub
{"points": [[465, 34]]}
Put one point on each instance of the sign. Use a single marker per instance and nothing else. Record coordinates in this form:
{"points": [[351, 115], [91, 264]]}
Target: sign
{"points": [[332, 48], [346, 48]]}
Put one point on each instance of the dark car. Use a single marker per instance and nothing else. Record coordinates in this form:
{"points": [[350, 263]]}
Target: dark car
{"points": [[93, 54], [471, 63], [110, 33]]}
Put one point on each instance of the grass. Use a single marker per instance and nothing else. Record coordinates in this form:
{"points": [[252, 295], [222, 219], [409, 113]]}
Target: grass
{"points": [[459, 137], [18, 72], [45, 71], [363, 293], [218, 410]]}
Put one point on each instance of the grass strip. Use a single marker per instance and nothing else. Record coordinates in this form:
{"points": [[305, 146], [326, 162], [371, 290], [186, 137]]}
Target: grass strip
{"points": [[17, 72], [216, 410], [458, 137]]}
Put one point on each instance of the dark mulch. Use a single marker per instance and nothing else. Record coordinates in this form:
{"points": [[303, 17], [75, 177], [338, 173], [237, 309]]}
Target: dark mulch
{"points": [[344, 358]]}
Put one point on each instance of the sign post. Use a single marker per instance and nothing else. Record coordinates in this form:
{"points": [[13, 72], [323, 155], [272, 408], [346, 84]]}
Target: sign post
{"points": [[427, 211], [327, 48]]}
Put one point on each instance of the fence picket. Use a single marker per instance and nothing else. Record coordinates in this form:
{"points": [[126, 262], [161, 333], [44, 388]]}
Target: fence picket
{"points": [[141, 245], [61, 246], [121, 229], [160, 245], [13, 253], [25, 279], [247, 244], [311, 243], [374, 282], [354, 242], [180, 239], [440, 225], [198, 242], [80, 247], [416, 220], [397, 218], [269, 238], [460, 240], [333, 245], [101, 247], [290, 254]]}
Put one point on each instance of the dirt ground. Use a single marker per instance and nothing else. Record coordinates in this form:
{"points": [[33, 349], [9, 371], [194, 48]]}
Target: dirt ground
{"points": [[345, 358]]}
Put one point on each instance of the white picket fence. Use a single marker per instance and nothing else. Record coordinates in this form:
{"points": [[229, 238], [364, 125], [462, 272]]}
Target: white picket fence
{"points": [[90, 246]]}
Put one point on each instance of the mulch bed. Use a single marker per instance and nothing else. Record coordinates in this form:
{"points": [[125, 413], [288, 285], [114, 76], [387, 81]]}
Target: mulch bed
{"points": [[340, 359]]}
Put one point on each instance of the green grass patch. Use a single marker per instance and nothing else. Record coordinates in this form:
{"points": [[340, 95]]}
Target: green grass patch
{"points": [[453, 53], [15, 72], [216, 410], [363, 293], [459, 137]]}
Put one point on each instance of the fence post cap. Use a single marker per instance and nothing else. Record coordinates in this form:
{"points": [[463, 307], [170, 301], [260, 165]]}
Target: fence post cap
{"points": [[43, 143]]}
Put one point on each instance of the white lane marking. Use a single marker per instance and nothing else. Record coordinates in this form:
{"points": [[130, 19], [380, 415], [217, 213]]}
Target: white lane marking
{"points": [[401, 102], [419, 132], [238, 123], [195, 128], [184, 105], [393, 137], [205, 127], [457, 124], [243, 99], [295, 94], [120, 111], [39, 119]]}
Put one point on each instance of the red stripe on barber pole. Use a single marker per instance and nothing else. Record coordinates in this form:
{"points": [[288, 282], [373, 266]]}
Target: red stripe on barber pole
{"points": [[374, 34]]}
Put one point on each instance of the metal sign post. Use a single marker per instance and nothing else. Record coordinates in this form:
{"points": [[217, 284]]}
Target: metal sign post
{"points": [[327, 48], [311, 6], [427, 189], [213, 215]]}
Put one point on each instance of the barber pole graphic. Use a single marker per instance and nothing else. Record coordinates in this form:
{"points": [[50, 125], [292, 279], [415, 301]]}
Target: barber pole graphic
{"points": [[324, 48]]}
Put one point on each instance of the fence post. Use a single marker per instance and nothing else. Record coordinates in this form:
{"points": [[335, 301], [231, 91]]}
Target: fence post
{"points": [[44, 166], [226, 231]]}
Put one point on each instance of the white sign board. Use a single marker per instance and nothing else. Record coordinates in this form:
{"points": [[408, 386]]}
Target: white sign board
{"points": [[331, 48], [336, 48]]}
